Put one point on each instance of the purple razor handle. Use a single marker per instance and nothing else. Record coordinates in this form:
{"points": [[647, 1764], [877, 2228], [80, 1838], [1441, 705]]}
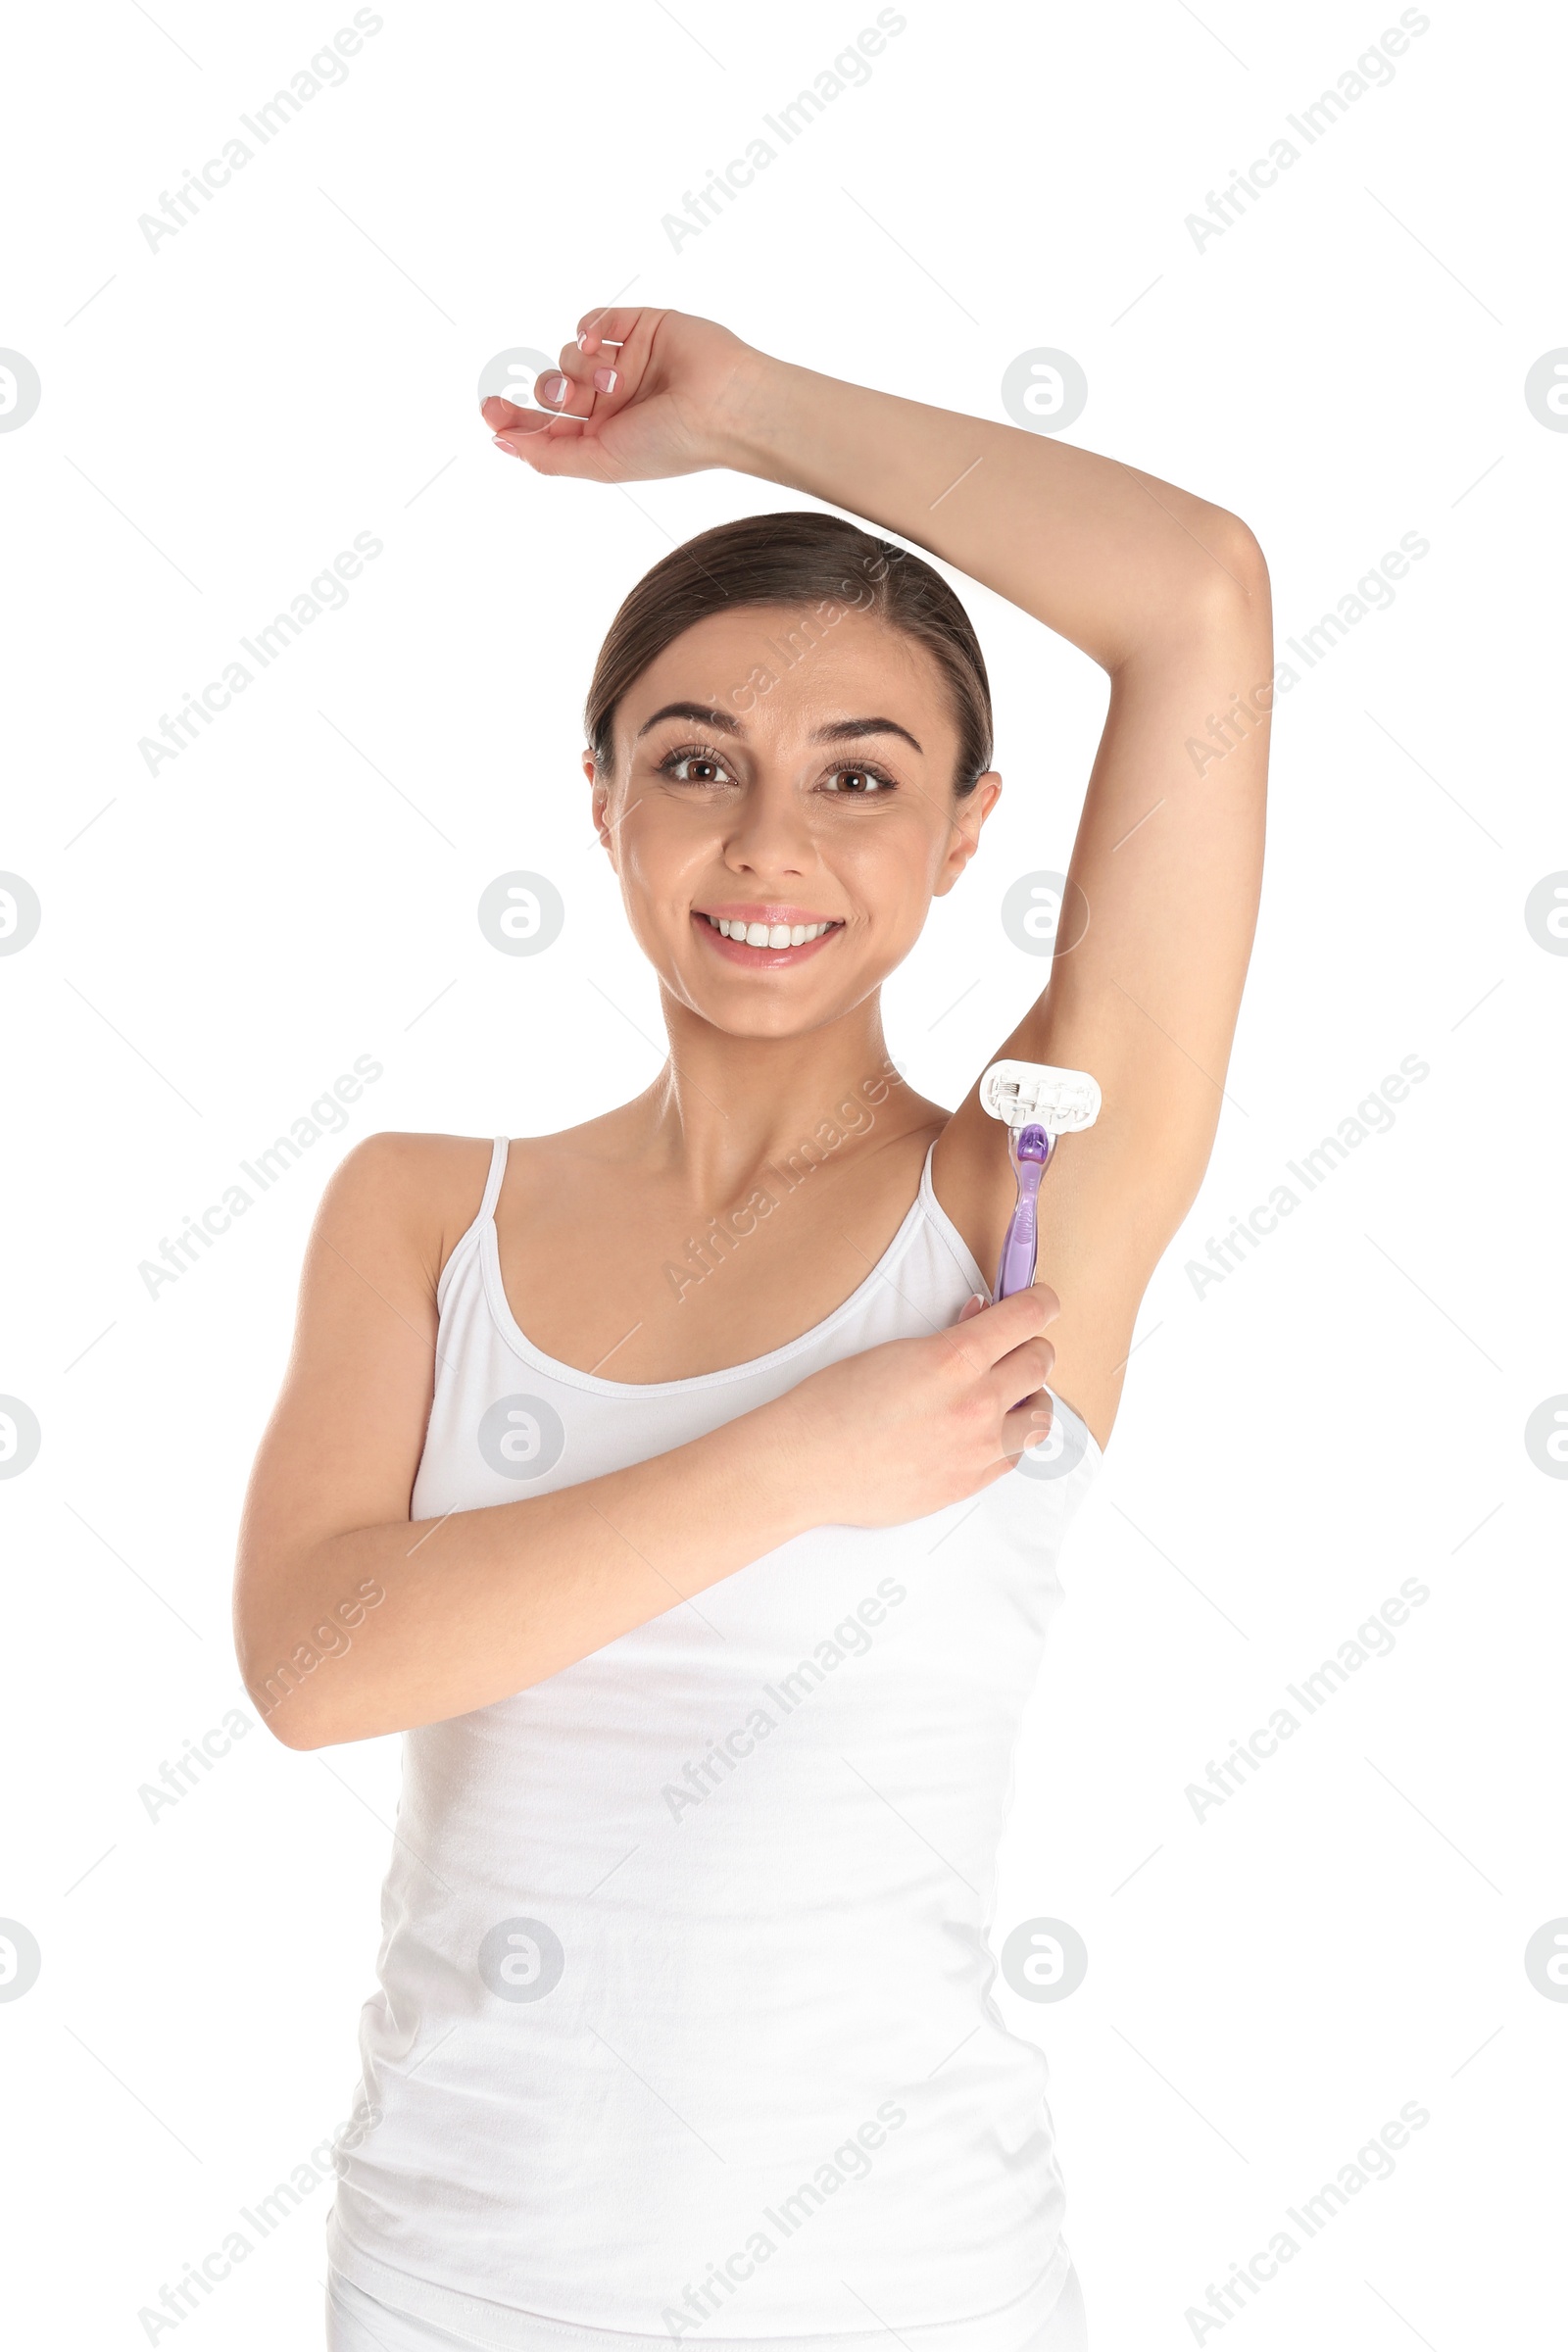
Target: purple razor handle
{"points": [[1029, 1151], [1037, 1101]]}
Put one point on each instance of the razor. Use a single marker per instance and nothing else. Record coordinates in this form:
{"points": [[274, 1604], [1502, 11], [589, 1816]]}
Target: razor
{"points": [[1036, 1103]]}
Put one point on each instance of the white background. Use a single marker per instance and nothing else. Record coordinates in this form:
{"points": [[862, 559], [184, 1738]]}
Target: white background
{"points": [[220, 417]]}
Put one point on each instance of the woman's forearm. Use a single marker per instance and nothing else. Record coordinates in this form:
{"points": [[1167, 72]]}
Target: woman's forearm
{"points": [[452, 1614], [372, 1629], [1111, 559]]}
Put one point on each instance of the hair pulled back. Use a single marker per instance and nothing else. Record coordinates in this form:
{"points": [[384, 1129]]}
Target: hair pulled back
{"points": [[819, 564]]}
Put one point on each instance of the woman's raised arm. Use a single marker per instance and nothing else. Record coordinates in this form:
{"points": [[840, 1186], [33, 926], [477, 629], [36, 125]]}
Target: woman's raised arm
{"points": [[1169, 595]]}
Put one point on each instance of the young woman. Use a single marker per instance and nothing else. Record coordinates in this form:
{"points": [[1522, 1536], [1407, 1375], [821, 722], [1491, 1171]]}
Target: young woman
{"points": [[673, 1483]]}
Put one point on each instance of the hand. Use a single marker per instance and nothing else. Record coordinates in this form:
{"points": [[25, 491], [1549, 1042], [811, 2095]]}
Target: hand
{"points": [[905, 1429], [639, 395]]}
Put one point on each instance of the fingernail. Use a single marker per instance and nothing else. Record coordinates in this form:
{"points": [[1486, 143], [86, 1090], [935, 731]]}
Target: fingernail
{"points": [[501, 443], [551, 388], [604, 379]]}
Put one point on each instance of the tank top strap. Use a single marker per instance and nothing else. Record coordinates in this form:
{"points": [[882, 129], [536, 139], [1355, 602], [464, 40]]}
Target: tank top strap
{"points": [[471, 1243], [492, 1189]]}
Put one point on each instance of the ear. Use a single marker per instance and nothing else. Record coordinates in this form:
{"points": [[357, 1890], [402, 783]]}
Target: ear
{"points": [[601, 788], [963, 840]]}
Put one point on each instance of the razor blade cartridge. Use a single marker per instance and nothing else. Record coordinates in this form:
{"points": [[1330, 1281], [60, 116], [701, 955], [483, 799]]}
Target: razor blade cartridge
{"points": [[1025, 1093]]}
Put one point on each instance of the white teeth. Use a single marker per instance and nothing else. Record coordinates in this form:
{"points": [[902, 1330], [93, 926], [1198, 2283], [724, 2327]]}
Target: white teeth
{"points": [[767, 935]]}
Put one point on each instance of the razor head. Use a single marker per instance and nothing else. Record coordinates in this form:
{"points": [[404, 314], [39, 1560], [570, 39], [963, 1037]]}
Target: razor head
{"points": [[1024, 1093]]}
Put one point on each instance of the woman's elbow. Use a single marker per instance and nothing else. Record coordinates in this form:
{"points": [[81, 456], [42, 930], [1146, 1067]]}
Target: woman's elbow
{"points": [[1235, 549], [291, 1647], [285, 1678], [285, 1704]]}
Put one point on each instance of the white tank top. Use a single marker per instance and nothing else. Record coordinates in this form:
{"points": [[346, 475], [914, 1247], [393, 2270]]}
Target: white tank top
{"points": [[685, 2028]]}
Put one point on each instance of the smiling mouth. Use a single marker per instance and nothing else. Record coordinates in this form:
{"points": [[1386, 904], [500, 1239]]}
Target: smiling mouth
{"points": [[760, 943]]}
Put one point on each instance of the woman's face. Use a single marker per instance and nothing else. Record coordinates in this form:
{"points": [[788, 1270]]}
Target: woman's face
{"points": [[775, 770]]}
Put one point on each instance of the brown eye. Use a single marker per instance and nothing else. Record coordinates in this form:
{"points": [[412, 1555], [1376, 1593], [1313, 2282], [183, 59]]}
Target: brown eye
{"points": [[860, 783], [694, 768]]}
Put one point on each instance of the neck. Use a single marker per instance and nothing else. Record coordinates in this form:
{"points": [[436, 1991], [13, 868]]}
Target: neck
{"points": [[724, 1106]]}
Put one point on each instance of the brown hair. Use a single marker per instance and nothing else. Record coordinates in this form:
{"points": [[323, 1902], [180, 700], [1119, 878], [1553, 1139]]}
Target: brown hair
{"points": [[798, 558]]}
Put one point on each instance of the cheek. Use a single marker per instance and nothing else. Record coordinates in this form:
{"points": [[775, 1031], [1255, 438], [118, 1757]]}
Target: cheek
{"points": [[893, 866], [662, 851], [666, 858]]}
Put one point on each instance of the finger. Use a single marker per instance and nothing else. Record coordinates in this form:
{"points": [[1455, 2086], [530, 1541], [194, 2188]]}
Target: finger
{"points": [[605, 325], [514, 430], [1024, 1370], [620, 345], [567, 389], [578, 397], [615, 373], [504, 416], [972, 1306], [1007, 1322], [563, 448], [545, 446], [1027, 1425]]}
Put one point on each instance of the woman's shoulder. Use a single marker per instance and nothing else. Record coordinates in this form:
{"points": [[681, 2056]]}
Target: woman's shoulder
{"points": [[423, 1190]]}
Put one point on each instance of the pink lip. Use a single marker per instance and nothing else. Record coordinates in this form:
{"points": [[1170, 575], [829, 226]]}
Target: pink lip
{"points": [[771, 910], [773, 960]]}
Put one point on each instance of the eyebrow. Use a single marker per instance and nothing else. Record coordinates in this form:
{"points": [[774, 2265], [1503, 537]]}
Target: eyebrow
{"points": [[841, 730], [719, 720]]}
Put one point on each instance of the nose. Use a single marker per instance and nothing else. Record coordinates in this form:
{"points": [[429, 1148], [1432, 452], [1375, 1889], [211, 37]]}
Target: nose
{"points": [[769, 833]]}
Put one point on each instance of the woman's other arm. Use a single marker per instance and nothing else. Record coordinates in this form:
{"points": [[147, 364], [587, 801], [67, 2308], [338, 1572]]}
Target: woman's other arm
{"points": [[352, 1620]]}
